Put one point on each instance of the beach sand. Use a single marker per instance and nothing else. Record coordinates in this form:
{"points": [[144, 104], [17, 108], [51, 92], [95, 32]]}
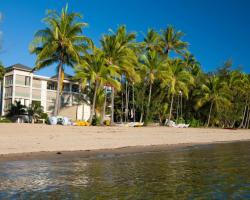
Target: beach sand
{"points": [[22, 139]]}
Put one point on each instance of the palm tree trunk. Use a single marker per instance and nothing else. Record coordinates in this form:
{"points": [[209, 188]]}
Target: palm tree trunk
{"points": [[210, 112], [126, 103], [233, 124], [93, 104], [122, 109], [133, 102], [247, 118], [178, 103], [58, 97], [125, 113], [170, 111], [112, 104], [243, 116], [248, 121], [181, 107], [142, 113], [149, 100], [104, 106]]}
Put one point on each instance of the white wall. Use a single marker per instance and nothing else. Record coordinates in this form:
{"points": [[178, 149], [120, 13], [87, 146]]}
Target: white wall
{"points": [[44, 95]]}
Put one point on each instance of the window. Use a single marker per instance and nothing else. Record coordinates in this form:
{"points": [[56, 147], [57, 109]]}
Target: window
{"points": [[7, 104], [75, 88], [36, 83], [8, 91], [8, 80], [51, 86], [66, 87], [27, 80]]}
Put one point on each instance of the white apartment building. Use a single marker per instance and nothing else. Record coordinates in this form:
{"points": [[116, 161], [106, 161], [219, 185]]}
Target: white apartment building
{"points": [[21, 84]]}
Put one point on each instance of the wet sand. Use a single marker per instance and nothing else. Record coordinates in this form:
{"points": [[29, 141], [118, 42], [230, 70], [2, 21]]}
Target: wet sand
{"points": [[27, 141]]}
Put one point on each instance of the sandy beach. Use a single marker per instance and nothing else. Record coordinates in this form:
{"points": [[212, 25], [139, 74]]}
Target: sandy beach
{"points": [[27, 138]]}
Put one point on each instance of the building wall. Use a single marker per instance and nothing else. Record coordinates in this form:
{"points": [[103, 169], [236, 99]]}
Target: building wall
{"points": [[26, 87]]}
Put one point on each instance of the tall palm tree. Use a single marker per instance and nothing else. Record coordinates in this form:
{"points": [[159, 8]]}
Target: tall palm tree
{"points": [[118, 50], [153, 64], [152, 41], [61, 43], [177, 79], [214, 92], [172, 41], [93, 70]]}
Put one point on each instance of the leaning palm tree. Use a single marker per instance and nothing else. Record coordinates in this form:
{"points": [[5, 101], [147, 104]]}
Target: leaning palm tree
{"points": [[177, 79], [61, 43], [153, 65], [215, 92], [93, 70], [172, 41]]}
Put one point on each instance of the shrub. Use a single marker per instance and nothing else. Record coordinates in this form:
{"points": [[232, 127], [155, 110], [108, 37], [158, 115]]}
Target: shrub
{"points": [[5, 120], [96, 121], [195, 123]]}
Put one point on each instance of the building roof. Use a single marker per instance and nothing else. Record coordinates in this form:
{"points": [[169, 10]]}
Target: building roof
{"points": [[19, 67], [66, 77], [29, 69]]}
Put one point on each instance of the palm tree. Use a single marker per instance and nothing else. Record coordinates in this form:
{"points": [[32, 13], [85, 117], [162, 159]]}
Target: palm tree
{"points": [[191, 64], [16, 109], [118, 50], [244, 86], [214, 92], [152, 41], [172, 41], [61, 43], [177, 79], [2, 71], [152, 64], [35, 111], [93, 70]]}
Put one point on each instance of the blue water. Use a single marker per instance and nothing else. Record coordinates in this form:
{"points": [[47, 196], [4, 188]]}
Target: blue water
{"points": [[220, 171]]}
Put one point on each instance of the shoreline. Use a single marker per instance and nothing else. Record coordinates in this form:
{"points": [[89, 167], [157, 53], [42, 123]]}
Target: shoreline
{"points": [[88, 154], [27, 141]]}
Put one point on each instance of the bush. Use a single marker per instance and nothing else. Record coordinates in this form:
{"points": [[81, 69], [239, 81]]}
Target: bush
{"points": [[5, 120], [195, 123], [96, 121]]}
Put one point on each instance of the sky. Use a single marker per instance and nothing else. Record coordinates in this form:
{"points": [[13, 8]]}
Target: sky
{"points": [[217, 30]]}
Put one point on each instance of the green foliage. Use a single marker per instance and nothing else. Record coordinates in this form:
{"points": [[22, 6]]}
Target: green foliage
{"points": [[2, 71], [5, 120], [62, 42], [17, 109], [35, 111], [194, 123], [96, 121]]}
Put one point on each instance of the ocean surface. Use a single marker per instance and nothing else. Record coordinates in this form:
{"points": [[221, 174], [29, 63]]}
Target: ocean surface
{"points": [[218, 171]]}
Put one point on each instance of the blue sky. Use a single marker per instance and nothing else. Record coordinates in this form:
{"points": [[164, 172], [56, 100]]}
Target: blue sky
{"points": [[217, 30]]}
